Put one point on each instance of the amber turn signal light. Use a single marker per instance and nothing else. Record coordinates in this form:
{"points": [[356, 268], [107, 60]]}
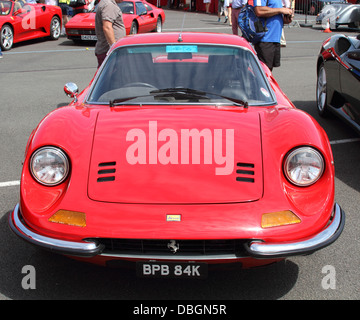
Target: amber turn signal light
{"points": [[72, 218], [280, 218]]}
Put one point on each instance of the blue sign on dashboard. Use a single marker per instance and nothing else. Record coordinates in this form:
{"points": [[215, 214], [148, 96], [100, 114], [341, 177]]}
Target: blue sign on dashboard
{"points": [[181, 49]]}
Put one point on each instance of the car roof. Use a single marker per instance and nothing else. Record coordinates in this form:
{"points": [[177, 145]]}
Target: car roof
{"points": [[184, 37]]}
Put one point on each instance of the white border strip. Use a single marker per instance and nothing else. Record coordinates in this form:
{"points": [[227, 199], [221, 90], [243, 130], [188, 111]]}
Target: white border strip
{"points": [[9, 183]]}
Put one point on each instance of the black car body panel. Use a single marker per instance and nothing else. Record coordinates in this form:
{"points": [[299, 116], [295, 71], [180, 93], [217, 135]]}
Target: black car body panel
{"points": [[338, 78]]}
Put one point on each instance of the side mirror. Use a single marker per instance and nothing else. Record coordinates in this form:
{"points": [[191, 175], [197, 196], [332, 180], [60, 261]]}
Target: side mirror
{"points": [[71, 90]]}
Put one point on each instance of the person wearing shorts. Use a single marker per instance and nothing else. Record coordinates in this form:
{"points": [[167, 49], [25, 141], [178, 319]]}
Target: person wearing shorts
{"points": [[268, 49], [67, 13], [207, 6]]}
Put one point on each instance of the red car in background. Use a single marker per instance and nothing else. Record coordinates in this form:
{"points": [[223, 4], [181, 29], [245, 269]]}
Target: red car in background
{"points": [[139, 17], [21, 21]]}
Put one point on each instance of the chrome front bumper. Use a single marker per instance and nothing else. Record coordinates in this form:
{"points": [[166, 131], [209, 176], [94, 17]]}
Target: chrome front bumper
{"points": [[82, 249], [255, 248]]}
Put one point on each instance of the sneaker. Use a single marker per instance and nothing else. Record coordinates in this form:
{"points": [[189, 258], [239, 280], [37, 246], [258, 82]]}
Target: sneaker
{"points": [[226, 19]]}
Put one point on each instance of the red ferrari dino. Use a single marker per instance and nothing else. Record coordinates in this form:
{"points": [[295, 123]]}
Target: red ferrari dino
{"points": [[182, 152], [21, 21], [139, 17]]}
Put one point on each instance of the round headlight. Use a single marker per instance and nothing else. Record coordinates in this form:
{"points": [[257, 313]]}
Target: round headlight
{"points": [[49, 166], [304, 166]]}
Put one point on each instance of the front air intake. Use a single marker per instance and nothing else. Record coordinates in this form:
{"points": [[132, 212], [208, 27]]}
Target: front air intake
{"points": [[106, 171], [245, 172]]}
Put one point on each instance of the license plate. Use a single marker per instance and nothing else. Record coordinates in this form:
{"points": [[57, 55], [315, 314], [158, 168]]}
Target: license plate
{"points": [[171, 270], [88, 37]]}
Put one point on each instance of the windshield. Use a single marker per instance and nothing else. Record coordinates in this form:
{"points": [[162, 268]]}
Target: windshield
{"points": [[164, 74], [5, 7]]}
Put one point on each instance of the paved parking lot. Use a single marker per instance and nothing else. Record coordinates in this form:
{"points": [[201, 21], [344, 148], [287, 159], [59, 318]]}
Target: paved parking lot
{"points": [[32, 76]]}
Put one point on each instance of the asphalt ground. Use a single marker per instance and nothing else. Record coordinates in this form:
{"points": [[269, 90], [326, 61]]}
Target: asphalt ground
{"points": [[32, 76]]}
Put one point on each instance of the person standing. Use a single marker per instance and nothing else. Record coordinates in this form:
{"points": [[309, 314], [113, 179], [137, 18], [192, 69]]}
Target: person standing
{"points": [[67, 13], [220, 9], [207, 6], [236, 6], [286, 3], [109, 27], [268, 49]]}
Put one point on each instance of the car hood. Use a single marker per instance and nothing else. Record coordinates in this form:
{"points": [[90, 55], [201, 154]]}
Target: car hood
{"points": [[87, 20], [82, 19], [176, 156]]}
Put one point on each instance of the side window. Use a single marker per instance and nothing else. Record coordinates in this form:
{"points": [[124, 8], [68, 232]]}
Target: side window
{"points": [[126, 7], [147, 7], [140, 9], [342, 45]]}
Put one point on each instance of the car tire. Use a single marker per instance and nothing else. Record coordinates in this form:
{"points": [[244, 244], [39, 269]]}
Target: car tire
{"points": [[55, 28], [354, 25], [6, 37], [321, 92], [158, 25], [134, 28]]}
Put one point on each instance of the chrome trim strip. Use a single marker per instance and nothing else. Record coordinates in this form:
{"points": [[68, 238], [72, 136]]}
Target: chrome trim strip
{"points": [[87, 249], [171, 258], [324, 238]]}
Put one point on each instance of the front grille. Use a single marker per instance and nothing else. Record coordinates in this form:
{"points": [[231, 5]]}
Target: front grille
{"points": [[81, 31], [161, 247]]}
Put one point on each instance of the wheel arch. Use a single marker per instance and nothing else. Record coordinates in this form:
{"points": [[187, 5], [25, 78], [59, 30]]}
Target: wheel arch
{"points": [[320, 60]]}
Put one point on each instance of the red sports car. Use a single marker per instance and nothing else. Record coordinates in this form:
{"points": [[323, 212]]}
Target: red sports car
{"points": [[20, 21], [182, 152], [139, 17]]}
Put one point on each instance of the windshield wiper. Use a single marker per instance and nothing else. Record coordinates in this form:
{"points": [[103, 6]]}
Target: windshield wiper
{"points": [[199, 93], [179, 89], [180, 93], [114, 102]]}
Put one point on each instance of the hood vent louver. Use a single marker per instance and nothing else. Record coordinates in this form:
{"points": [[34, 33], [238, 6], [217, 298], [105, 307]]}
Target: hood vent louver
{"points": [[246, 172], [105, 171]]}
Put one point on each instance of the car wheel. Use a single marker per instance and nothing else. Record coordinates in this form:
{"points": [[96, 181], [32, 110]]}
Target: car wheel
{"points": [[134, 28], [354, 25], [55, 28], [321, 98], [158, 25], [6, 37]]}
